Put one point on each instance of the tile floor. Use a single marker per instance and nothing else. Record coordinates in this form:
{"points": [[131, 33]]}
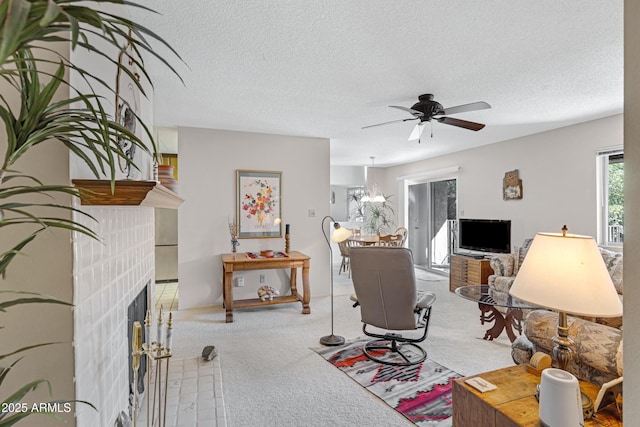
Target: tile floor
{"points": [[194, 397], [167, 296]]}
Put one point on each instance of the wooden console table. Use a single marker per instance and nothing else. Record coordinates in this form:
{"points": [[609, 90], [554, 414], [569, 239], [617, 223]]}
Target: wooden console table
{"points": [[242, 262], [513, 403]]}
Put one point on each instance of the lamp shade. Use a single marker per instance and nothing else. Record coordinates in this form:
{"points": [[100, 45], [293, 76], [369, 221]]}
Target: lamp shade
{"points": [[567, 273], [340, 234]]}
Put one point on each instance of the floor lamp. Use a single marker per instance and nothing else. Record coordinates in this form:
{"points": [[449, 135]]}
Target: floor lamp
{"points": [[339, 234]]}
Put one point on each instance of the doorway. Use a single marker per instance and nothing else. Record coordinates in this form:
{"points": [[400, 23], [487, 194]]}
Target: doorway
{"points": [[432, 214]]}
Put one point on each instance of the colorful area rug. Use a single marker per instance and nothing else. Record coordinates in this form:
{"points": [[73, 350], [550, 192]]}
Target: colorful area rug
{"points": [[422, 393]]}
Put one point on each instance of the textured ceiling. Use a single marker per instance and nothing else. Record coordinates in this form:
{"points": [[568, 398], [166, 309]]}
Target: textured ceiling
{"points": [[328, 68]]}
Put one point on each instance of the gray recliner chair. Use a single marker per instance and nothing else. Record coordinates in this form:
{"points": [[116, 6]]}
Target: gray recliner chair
{"points": [[385, 286]]}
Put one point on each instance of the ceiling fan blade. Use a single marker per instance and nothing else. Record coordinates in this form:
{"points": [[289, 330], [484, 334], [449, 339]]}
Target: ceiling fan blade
{"points": [[474, 106], [416, 113], [460, 123], [392, 121], [416, 132]]}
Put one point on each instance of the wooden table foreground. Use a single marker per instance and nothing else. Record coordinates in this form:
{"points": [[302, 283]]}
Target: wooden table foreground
{"points": [[513, 402]]}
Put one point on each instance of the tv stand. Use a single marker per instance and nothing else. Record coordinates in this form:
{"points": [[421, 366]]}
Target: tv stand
{"points": [[474, 256], [466, 270]]}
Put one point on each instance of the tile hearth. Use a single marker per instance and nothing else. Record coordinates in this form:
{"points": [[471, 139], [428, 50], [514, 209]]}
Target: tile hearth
{"points": [[195, 396], [167, 296]]}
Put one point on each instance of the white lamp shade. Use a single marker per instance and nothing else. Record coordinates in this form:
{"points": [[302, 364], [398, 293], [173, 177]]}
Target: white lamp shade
{"points": [[568, 274], [340, 234]]}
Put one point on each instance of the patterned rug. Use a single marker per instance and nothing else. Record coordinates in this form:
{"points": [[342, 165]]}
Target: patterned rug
{"points": [[422, 393]]}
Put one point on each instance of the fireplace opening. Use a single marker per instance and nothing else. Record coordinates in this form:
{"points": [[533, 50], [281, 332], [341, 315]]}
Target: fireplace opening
{"points": [[137, 311]]}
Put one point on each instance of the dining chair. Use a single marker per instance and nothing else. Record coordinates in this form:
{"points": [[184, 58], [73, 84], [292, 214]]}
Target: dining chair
{"points": [[344, 251], [402, 231], [390, 240]]}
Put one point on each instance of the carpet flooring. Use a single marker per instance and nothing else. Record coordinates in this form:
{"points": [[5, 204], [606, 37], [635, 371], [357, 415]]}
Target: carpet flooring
{"points": [[271, 377], [421, 392]]}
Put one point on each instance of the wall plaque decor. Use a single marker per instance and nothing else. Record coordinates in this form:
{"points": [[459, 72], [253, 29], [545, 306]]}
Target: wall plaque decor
{"points": [[512, 186], [258, 207]]}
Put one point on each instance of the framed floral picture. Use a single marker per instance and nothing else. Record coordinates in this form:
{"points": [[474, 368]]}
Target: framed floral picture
{"points": [[258, 207]]}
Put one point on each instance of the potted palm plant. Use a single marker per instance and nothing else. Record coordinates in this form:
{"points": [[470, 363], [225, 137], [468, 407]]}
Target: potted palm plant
{"points": [[33, 115], [378, 216]]}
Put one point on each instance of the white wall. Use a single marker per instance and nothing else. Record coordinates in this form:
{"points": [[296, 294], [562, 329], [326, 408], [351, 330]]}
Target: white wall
{"points": [[208, 163], [558, 172], [347, 175]]}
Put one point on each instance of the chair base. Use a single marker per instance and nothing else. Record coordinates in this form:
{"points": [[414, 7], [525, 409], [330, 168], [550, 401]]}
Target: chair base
{"points": [[397, 354]]}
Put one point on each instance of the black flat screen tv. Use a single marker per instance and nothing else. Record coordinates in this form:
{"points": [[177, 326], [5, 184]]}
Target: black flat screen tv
{"points": [[484, 235]]}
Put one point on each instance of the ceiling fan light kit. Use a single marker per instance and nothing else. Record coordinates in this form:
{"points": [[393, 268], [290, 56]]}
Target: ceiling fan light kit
{"points": [[427, 109], [416, 132]]}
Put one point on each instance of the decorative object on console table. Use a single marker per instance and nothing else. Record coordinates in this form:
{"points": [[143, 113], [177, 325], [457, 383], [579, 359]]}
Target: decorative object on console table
{"points": [[267, 292], [233, 231], [286, 238], [340, 234], [258, 208], [575, 263]]}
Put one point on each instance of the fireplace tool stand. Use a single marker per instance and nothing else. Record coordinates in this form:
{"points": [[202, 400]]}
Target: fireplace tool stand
{"points": [[158, 356]]}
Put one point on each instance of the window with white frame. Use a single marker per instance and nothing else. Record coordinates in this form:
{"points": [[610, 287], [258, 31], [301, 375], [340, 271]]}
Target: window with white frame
{"points": [[611, 197]]}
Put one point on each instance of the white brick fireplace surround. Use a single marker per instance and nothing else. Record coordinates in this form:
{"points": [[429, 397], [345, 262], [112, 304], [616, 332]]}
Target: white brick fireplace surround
{"points": [[107, 275]]}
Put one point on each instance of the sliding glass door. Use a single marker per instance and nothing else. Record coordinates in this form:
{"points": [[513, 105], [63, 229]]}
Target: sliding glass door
{"points": [[432, 215]]}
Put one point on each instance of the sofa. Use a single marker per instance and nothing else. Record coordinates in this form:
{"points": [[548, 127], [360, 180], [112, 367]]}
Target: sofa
{"points": [[505, 268], [597, 341]]}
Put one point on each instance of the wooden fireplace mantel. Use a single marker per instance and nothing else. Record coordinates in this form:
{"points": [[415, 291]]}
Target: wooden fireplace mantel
{"points": [[97, 192]]}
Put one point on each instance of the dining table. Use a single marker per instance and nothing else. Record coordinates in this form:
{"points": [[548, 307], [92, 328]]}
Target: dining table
{"points": [[364, 240]]}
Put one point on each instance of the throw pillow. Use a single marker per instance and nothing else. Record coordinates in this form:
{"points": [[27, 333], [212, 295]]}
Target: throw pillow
{"points": [[613, 262], [502, 264]]}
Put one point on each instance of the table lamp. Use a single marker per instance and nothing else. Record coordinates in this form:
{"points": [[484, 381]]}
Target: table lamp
{"points": [[340, 234], [566, 273]]}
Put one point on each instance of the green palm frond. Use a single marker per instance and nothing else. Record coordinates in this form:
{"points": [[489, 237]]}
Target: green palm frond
{"points": [[28, 298], [23, 349], [34, 115], [8, 418]]}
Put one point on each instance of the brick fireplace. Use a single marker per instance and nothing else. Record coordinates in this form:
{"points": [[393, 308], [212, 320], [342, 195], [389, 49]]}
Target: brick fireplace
{"points": [[107, 276]]}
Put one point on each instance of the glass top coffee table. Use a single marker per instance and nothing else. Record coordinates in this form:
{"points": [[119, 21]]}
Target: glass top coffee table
{"points": [[490, 313]]}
